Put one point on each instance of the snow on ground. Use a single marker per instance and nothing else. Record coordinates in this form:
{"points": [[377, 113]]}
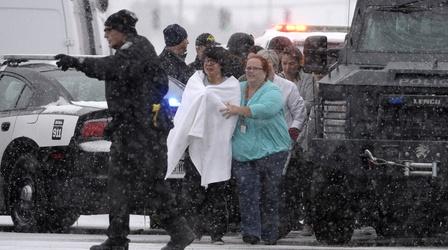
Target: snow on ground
{"points": [[17, 241], [100, 221]]}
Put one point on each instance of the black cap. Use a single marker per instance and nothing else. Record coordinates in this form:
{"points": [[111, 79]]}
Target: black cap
{"points": [[206, 39], [123, 21], [174, 34]]}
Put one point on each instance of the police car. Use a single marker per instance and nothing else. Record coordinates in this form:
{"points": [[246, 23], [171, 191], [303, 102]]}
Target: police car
{"points": [[297, 33], [48, 176]]}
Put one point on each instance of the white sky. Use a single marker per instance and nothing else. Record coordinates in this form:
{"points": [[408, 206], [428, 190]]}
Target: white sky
{"points": [[251, 16]]}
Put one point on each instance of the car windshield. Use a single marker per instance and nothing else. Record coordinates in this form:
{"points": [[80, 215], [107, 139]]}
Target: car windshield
{"points": [[406, 29], [80, 87]]}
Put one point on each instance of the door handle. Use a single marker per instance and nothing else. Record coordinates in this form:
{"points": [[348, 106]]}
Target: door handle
{"points": [[5, 126]]}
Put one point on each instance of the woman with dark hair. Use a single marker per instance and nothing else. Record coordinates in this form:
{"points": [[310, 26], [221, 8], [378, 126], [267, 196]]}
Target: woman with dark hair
{"points": [[291, 62], [200, 127], [260, 147]]}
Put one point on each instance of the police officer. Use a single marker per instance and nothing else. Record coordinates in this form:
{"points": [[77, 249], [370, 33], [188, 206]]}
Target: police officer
{"points": [[135, 86], [173, 55]]}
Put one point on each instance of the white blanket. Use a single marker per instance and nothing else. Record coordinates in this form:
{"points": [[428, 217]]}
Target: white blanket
{"points": [[200, 126]]}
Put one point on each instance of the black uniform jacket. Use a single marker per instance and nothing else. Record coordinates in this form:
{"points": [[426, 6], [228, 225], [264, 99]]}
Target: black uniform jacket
{"points": [[196, 64], [175, 66], [134, 81]]}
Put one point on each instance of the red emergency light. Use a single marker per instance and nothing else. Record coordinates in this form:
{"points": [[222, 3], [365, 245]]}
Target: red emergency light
{"points": [[291, 27]]}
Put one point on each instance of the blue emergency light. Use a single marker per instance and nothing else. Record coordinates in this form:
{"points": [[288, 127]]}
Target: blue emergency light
{"points": [[173, 102], [396, 100]]}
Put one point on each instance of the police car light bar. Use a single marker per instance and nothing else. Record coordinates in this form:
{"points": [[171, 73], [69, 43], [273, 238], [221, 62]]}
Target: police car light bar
{"points": [[291, 27], [309, 28]]}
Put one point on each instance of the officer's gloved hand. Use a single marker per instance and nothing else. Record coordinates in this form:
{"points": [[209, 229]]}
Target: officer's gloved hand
{"points": [[294, 133], [65, 62]]}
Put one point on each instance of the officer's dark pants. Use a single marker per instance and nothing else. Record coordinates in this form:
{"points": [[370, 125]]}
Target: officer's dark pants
{"points": [[205, 209], [136, 179]]}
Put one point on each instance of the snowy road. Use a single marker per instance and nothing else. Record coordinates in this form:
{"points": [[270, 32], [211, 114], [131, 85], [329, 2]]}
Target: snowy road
{"points": [[89, 230], [17, 241]]}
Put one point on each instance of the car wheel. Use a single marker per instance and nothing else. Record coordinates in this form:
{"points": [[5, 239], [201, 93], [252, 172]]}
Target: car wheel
{"points": [[25, 203]]}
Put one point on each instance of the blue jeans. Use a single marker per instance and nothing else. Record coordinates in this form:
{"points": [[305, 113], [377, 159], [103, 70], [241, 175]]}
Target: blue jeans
{"points": [[258, 184]]}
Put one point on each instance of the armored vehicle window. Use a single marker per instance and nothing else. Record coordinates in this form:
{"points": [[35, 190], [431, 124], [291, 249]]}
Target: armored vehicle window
{"points": [[10, 90], [80, 87], [405, 30]]}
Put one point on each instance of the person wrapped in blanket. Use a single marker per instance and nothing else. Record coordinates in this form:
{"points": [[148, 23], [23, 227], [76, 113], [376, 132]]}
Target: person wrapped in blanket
{"points": [[200, 127]]}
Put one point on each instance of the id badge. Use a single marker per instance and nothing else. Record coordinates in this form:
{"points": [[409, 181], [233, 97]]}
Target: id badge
{"points": [[243, 129]]}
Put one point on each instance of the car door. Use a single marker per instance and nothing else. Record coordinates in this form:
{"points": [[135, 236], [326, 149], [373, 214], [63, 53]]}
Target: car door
{"points": [[10, 90]]}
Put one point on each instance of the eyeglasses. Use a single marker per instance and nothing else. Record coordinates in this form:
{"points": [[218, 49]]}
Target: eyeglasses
{"points": [[210, 62], [253, 68]]}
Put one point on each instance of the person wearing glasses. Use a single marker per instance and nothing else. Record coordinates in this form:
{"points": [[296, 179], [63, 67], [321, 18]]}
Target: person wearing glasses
{"points": [[200, 127], [260, 147]]}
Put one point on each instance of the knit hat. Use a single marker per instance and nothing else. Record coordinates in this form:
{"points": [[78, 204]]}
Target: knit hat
{"points": [[174, 34], [123, 21], [206, 39]]}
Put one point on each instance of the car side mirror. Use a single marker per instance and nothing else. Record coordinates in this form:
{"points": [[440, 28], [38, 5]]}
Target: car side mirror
{"points": [[315, 54]]}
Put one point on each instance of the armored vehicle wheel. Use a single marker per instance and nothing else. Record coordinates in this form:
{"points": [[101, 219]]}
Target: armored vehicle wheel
{"points": [[333, 219]]}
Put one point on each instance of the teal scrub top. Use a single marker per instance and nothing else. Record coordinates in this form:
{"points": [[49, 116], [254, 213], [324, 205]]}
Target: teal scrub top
{"points": [[265, 132]]}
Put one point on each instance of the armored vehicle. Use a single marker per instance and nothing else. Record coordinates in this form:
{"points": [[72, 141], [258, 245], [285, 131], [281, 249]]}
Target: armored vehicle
{"points": [[378, 134]]}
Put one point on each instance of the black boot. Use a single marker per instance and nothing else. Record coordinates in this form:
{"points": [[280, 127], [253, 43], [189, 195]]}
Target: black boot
{"points": [[112, 245], [181, 235]]}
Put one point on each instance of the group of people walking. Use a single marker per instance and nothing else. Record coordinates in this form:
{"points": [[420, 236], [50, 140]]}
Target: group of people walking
{"points": [[240, 118]]}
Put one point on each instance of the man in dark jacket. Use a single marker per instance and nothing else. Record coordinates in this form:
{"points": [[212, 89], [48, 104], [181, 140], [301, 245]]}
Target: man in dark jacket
{"points": [[173, 55], [135, 87]]}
